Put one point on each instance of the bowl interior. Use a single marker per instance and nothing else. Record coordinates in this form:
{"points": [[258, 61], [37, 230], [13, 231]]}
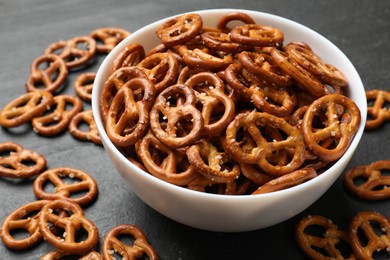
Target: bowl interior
{"points": [[293, 32]]}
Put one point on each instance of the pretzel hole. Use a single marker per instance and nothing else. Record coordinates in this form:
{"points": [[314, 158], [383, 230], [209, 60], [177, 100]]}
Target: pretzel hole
{"points": [[7, 166], [385, 172], [49, 187], [157, 156], [19, 233], [81, 235], [160, 72], [70, 179], [126, 239], [73, 57], [184, 126], [87, 81], [59, 50], [174, 101], [359, 180], [381, 255], [83, 126], [28, 162], [82, 45], [320, 231], [7, 153]]}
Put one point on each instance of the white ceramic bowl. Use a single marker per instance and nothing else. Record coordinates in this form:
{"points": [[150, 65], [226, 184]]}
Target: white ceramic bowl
{"points": [[222, 212]]}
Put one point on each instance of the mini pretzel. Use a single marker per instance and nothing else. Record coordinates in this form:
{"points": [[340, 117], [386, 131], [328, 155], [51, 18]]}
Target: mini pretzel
{"points": [[264, 67], [378, 112], [375, 185], [339, 127], [209, 90], [25, 107], [165, 163], [180, 29], [85, 183], [262, 153], [255, 174], [129, 56], [128, 116], [374, 229], [279, 102], [114, 83], [302, 54], [161, 68], [232, 17], [75, 52], [71, 225], [83, 85], [211, 163], [208, 60], [305, 79], [76, 131], [257, 35], [140, 246], [21, 219], [51, 77], [108, 37], [288, 180], [321, 246], [57, 120], [18, 164], [221, 41], [174, 114]]}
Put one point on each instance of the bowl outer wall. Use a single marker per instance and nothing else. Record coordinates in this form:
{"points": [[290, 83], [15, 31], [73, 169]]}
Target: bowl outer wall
{"points": [[221, 212]]}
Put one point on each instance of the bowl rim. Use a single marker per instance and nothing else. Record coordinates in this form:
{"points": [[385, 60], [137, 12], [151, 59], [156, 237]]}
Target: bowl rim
{"points": [[222, 197]]}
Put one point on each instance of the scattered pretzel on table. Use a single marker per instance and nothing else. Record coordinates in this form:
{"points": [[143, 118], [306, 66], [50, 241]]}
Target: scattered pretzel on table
{"points": [[324, 245], [53, 76], [137, 250], [76, 52], [368, 182], [57, 118], [71, 225], [21, 219], [76, 131], [83, 85], [20, 163], [83, 182], [370, 233], [24, 108], [378, 112]]}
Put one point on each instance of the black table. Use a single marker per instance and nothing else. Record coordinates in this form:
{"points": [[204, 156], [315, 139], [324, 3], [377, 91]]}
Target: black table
{"points": [[361, 29]]}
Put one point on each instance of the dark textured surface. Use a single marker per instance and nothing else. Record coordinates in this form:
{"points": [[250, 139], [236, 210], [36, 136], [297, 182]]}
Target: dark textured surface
{"points": [[361, 29]]}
